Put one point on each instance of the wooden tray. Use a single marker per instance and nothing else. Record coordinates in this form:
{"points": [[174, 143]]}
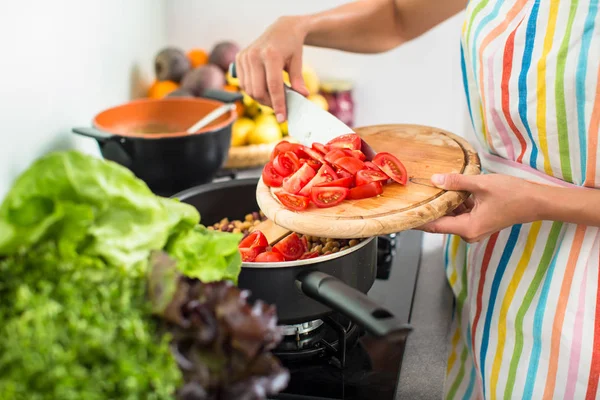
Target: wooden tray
{"points": [[424, 151]]}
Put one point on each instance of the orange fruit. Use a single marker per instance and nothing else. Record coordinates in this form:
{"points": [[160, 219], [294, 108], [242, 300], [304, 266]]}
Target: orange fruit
{"points": [[197, 57], [239, 108], [160, 89], [231, 88]]}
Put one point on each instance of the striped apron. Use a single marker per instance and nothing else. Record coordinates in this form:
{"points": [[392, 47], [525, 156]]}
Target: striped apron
{"points": [[527, 318]]}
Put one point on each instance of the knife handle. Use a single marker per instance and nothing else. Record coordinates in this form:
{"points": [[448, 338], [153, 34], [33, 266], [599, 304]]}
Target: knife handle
{"points": [[232, 71]]}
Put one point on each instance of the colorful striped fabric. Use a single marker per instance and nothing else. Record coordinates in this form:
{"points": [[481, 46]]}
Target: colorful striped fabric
{"points": [[527, 320]]}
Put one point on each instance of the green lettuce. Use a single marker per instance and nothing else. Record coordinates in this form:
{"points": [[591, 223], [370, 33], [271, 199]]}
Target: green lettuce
{"points": [[76, 235]]}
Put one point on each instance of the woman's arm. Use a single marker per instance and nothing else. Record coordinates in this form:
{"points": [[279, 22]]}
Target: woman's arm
{"points": [[500, 201], [374, 26], [363, 26]]}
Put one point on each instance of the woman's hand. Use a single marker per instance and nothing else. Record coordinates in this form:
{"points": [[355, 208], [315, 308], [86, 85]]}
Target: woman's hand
{"points": [[497, 202], [260, 66]]}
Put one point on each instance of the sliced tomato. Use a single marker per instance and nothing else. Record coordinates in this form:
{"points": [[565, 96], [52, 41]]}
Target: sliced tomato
{"points": [[293, 201], [291, 247], [343, 174], [325, 174], [367, 175], [328, 196], [349, 141], [334, 154], [286, 163], [358, 154], [269, 256], [370, 189], [308, 255], [342, 182], [315, 155], [350, 164], [293, 184], [320, 148], [372, 166], [391, 166], [270, 176], [249, 254], [254, 239], [284, 146], [314, 164]]}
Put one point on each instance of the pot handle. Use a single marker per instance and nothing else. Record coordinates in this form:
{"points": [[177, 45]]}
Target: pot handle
{"points": [[222, 95], [356, 305], [93, 133]]}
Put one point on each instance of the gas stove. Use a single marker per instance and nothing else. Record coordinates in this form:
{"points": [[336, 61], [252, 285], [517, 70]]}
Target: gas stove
{"points": [[333, 358]]}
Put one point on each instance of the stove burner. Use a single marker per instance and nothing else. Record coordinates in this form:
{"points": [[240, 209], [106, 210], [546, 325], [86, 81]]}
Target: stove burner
{"points": [[300, 329], [327, 338]]}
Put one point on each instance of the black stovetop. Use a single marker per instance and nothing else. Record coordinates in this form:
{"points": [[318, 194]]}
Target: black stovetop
{"points": [[370, 367]]}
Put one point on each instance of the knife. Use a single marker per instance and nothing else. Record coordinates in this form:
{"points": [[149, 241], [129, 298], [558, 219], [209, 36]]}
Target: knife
{"points": [[308, 123]]}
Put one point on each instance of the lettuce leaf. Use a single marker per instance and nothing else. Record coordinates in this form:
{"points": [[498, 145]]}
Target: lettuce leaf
{"points": [[98, 208]]}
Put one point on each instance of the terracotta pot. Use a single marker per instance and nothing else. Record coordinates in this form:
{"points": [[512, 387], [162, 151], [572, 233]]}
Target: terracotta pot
{"points": [[149, 137]]}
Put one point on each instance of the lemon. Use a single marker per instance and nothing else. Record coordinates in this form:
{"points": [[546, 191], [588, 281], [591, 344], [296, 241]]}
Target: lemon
{"points": [[252, 108], [266, 130], [231, 80], [265, 109], [319, 100], [286, 78], [284, 128], [311, 80], [240, 131]]}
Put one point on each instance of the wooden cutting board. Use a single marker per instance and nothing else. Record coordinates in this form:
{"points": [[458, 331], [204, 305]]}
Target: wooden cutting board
{"points": [[424, 151]]}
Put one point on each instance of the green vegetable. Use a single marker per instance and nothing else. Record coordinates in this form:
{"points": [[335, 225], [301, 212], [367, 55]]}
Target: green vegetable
{"points": [[76, 233]]}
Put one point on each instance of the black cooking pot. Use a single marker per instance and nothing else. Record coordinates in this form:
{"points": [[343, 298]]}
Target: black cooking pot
{"points": [[149, 137], [303, 290]]}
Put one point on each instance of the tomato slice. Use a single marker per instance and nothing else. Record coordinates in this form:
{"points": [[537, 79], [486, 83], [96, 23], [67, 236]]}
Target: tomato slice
{"points": [[254, 239], [372, 166], [293, 184], [325, 174], [342, 182], [249, 254], [308, 255], [291, 247], [391, 166], [334, 154], [286, 163], [284, 146], [320, 148], [315, 155], [293, 201], [269, 256], [270, 176], [366, 175], [314, 164], [370, 189], [343, 174], [356, 154], [350, 164], [349, 141], [328, 196]]}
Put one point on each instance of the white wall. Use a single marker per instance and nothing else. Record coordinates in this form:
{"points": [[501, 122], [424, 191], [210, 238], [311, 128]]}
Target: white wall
{"points": [[419, 82], [61, 62]]}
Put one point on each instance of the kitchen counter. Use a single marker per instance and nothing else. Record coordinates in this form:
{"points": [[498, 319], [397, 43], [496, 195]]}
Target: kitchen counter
{"points": [[426, 351]]}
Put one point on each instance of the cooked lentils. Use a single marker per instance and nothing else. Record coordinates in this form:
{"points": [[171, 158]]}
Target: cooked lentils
{"points": [[323, 246]]}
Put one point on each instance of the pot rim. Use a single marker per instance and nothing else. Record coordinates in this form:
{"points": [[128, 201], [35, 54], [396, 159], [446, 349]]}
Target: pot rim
{"points": [[309, 261], [232, 116]]}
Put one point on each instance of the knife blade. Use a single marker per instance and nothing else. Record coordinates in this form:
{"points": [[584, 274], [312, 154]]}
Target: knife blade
{"points": [[308, 123]]}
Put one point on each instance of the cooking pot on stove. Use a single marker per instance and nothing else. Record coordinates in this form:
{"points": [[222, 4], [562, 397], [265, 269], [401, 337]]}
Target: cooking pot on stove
{"points": [[304, 290], [148, 136]]}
